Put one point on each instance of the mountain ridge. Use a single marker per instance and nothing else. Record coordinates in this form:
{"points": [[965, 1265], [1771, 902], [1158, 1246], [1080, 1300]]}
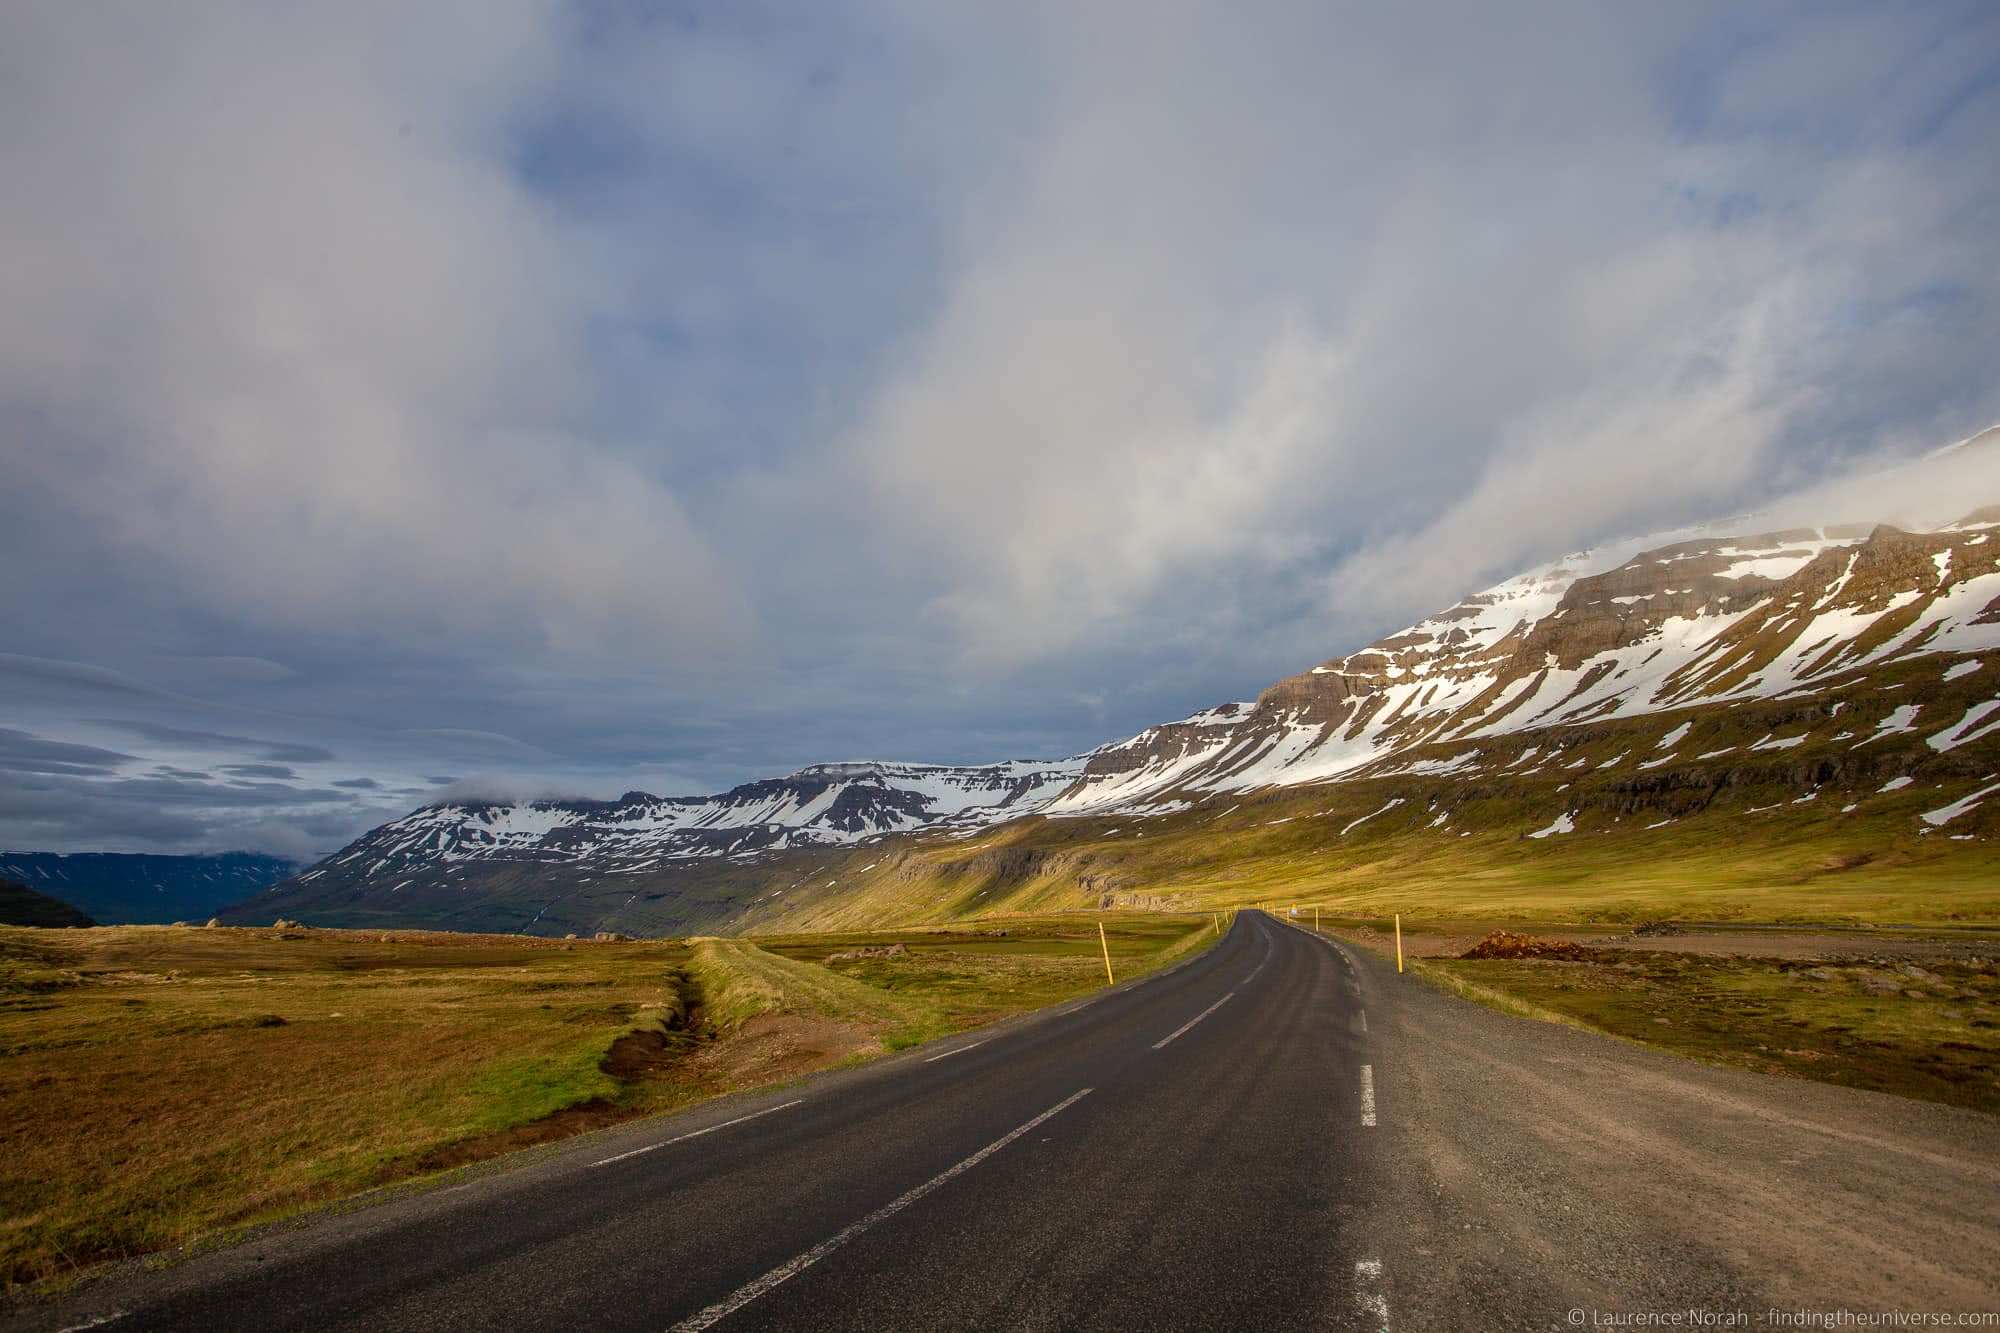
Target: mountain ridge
{"points": [[1685, 620]]}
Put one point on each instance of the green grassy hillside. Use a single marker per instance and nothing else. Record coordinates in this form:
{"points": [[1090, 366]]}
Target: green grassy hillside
{"points": [[1809, 810]]}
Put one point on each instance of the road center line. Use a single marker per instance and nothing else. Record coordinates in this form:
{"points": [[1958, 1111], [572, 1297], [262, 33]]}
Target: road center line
{"points": [[946, 1055], [1192, 1021], [1364, 1020], [683, 1138], [1368, 1296], [791, 1268], [1368, 1095]]}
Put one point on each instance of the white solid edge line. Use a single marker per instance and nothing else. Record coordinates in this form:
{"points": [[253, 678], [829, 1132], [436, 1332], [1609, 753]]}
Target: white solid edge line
{"points": [[683, 1138], [1368, 1095], [1192, 1021], [961, 1050], [1364, 1020], [791, 1268]]}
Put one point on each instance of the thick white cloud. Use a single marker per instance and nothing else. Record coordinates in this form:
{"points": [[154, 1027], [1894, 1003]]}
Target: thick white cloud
{"points": [[291, 324], [1445, 288], [695, 393]]}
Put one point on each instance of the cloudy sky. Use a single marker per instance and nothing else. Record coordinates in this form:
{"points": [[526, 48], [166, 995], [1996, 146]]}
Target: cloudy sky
{"points": [[578, 397]]}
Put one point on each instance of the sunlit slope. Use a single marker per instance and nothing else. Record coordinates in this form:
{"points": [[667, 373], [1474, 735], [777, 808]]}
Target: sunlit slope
{"points": [[1865, 802], [1594, 637]]}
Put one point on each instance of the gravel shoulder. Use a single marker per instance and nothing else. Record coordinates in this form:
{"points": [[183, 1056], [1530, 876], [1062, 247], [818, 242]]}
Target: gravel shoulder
{"points": [[1528, 1169]]}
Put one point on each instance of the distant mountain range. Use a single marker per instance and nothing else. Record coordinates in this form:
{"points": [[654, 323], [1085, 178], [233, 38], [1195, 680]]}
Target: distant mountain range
{"points": [[117, 888], [1511, 686]]}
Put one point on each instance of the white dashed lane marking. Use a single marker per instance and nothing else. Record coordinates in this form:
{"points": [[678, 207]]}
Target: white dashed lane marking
{"points": [[1368, 1095], [1192, 1021], [791, 1268], [946, 1055], [1368, 1296]]}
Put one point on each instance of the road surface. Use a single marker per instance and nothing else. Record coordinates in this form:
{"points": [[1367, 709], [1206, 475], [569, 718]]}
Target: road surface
{"points": [[1278, 1134]]}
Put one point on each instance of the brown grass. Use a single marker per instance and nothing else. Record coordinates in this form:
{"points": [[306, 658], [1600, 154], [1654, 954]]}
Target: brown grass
{"points": [[161, 1083]]}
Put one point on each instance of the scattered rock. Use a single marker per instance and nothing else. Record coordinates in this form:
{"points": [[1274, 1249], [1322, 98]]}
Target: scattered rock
{"points": [[1507, 944], [609, 937], [1647, 929], [213, 923], [570, 936], [852, 955]]}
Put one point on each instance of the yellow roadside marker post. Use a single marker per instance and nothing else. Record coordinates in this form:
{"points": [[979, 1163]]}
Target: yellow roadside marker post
{"points": [[1399, 941], [1105, 945], [1315, 918]]}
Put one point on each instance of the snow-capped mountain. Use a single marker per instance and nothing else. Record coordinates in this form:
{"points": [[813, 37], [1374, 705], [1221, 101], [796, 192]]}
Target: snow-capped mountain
{"points": [[1594, 636], [825, 805], [1668, 624]]}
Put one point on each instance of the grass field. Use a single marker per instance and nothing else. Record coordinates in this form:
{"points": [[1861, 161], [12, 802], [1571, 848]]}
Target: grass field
{"points": [[162, 1083], [1927, 1030], [1913, 1014]]}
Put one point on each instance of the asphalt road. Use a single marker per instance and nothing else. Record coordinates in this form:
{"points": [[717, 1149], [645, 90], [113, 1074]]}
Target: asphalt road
{"points": [[1278, 1134]]}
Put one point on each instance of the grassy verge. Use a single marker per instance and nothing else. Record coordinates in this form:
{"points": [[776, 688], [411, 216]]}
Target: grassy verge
{"points": [[973, 974], [1443, 977], [740, 982], [158, 1085]]}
